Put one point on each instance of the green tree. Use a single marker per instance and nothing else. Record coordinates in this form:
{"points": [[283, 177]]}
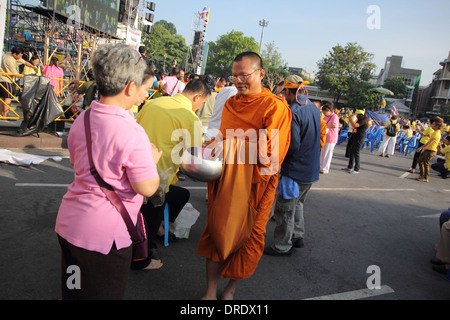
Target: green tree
{"points": [[274, 65], [359, 96], [397, 86], [223, 51], [169, 26], [344, 67], [163, 41]]}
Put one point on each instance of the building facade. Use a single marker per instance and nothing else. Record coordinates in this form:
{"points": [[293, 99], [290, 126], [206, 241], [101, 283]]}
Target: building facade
{"points": [[300, 72], [393, 68], [440, 97], [435, 98]]}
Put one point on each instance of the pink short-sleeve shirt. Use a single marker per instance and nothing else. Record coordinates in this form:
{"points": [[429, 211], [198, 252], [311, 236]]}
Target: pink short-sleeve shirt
{"points": [[122, 154], [172, 85], [333, 133]]}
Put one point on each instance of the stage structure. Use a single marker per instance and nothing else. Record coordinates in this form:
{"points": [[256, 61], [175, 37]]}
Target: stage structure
{"points": [[71, 30], [135, 17], [61, 29], [197, 52]]}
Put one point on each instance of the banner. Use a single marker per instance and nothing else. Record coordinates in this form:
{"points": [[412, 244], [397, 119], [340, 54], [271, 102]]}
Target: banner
{"points": [[133, 38]]}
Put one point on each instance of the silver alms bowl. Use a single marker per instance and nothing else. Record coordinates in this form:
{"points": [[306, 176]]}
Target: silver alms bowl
{"points": [[198, 164]]}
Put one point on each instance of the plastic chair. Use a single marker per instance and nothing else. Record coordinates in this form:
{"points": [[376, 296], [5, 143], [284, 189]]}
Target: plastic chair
{"points": [[166, 225], [412, 145], [403, 143], [400, 142], [343, 136], [375, 139]]}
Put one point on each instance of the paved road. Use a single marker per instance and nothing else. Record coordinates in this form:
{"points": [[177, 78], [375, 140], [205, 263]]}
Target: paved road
{"points": [[379, 220]]}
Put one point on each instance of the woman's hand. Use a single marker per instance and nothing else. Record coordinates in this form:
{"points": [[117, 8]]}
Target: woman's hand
{"points": [[156, 153]]}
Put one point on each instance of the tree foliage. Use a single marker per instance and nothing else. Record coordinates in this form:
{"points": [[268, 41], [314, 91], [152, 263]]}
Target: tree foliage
{"points": [[359, 96], [397, 86], [344, 67], [164, 40], [274, 65], [223, 51]]}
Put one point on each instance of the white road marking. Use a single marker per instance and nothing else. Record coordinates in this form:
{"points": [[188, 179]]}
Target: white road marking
{"points": [[403, 176], [357, 294], [436, 215], [57, 185], [361, 189]]}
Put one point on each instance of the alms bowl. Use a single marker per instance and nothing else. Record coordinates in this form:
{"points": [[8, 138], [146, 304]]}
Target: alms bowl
{"points": [[198, 164]]}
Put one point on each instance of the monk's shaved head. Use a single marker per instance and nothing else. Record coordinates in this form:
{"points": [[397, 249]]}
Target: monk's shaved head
{"points": [[256, 59]]}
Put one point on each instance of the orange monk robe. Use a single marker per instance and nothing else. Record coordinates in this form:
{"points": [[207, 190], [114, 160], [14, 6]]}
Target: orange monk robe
{"points": [[239, 203], [323, 132]]}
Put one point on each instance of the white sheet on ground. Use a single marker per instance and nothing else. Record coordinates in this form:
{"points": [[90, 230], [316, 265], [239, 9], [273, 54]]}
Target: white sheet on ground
{"points": [[24, 159]]}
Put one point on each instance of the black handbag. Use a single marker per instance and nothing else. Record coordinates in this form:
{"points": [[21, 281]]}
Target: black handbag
{"points": [[137, 232]]}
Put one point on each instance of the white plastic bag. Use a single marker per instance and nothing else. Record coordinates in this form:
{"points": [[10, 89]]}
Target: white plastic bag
{"points": [[185, 220]]}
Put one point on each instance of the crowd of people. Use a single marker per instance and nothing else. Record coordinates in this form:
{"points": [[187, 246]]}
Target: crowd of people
{"points": [[134, 154]]}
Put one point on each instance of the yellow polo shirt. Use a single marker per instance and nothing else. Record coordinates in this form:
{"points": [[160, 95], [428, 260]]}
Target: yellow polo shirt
{"points": [[426, 132], [446, 151], [171, 126], [436, 135], [408, 133]]}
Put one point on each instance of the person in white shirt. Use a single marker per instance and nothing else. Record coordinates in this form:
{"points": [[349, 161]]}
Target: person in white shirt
{"points": [[216, 117]]}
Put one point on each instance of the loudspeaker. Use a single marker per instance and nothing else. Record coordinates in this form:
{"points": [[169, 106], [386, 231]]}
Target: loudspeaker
{"points": [[151, 6], [197, 36], [149, 17], [121, 11], [147, 28]]}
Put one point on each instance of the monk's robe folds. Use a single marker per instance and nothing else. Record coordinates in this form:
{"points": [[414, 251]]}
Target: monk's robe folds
{"points": [[239, 204]]}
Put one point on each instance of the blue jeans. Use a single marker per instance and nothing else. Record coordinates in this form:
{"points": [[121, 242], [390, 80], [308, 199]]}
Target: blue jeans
{"points": [[290, 223]]}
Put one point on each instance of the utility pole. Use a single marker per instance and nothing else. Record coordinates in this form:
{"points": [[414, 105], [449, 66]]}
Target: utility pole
{"points": [[262, 23]]}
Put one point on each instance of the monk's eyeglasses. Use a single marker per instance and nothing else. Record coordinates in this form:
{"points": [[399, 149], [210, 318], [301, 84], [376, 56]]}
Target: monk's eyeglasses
{"points": [[241, 78]]}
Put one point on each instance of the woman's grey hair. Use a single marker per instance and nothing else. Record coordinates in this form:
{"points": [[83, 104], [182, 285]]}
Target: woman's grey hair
{"points": [[115, 66]]}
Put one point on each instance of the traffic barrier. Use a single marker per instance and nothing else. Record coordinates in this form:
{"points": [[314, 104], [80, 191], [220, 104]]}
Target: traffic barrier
{"points": [[60, 95]]}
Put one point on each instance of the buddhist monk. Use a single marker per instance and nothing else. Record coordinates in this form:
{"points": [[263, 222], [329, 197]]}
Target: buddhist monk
{"points": [[254, 136]]}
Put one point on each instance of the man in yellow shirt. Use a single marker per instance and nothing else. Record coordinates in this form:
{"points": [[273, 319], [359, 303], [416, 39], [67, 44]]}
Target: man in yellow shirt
{"points": [[443, 167], [425, 137], [172, 126], [429, 150], [407, 132], [10, 62]]}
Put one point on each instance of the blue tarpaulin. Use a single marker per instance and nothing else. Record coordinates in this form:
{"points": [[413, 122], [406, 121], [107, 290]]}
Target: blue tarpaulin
{"points": [[379, 117]]}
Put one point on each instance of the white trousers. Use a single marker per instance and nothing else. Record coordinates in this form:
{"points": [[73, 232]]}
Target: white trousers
{"points": [[388, 145], [326, 154]]}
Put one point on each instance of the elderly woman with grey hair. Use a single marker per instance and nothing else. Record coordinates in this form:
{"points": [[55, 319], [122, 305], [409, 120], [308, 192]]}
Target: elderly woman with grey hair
{"points": [[91, 232]]}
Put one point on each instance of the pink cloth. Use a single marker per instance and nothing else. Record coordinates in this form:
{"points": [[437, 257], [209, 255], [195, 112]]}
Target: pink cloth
{"points": [[54, 72], [172, 85], [333, 133], [122, 154]]}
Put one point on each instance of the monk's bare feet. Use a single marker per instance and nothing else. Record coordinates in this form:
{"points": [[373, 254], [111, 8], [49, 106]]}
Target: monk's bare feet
{"points": [[230, 289], [227, 296], [154, 265], [208, 298]]}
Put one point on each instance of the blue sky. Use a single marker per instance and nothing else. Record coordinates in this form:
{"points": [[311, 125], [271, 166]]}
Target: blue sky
{"points": [[305, 31]]}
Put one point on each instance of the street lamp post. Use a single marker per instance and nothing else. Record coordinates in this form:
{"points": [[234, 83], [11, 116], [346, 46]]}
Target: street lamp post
{"points": [[262, 23]]}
